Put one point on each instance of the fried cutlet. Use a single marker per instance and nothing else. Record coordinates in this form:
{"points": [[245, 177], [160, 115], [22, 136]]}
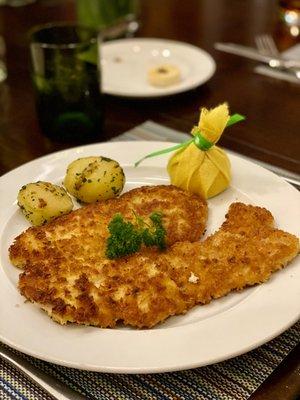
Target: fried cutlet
{"points": [[81, 235], [146, 288], [245, 251]]}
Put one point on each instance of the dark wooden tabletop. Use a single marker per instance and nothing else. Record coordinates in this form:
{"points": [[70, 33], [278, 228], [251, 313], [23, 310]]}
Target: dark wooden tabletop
{"points": [[272, 107]]}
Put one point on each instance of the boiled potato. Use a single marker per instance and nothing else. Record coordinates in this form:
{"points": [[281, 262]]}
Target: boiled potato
{"points": [[74, 170], [91, 179], [41, 202]]}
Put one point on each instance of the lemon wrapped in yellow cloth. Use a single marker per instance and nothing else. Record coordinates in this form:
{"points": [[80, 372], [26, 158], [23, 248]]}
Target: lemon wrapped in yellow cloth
{"points": [[206, 173], [199, 166], [203, 168]]}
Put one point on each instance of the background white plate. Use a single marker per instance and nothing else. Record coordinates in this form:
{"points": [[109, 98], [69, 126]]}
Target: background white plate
{"points": [[207, 334], [125, 64]]}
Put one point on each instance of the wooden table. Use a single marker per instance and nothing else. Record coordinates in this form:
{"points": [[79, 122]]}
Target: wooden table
{"points": [[272, 107]]}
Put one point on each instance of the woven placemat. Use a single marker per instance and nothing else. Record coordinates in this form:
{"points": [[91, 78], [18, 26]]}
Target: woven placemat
{"points": [[234, 379]]}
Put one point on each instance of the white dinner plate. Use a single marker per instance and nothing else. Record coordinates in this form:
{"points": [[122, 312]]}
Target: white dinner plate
{"points": [[226, 327], [125, 64]]}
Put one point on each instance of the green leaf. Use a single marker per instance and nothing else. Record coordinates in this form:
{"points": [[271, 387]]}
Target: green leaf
{"points": [[165, 151], [234, 119]]}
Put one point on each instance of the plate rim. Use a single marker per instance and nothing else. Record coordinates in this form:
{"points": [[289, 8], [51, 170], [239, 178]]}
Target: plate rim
{"points": [[175, 90], [131, 369]]}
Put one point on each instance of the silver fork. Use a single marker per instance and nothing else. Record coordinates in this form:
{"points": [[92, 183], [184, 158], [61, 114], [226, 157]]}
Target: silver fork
{"points": [[267, 47]]}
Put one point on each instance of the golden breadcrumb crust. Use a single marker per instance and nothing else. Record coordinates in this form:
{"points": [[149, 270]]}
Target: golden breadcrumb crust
{"points": [[81, 235], [146, 288]]}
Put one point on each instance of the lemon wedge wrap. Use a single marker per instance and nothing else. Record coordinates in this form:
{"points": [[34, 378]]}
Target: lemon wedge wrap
{"points": [[203, 169]]}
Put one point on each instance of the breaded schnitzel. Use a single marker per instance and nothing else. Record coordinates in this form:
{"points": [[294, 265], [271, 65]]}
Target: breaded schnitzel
{"points": [[146, 288], [245, 251], [81, 235]]}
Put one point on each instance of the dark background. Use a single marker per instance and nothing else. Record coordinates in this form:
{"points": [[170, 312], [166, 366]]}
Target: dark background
{"points": [[271, 132]]}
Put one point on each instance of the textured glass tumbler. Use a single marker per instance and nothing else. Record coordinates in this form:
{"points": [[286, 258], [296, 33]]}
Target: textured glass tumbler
{"points": [[66, 78]]}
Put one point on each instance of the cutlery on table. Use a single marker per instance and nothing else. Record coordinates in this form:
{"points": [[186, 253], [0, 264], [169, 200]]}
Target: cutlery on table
{"points": [[267, 46], [292, 66]]}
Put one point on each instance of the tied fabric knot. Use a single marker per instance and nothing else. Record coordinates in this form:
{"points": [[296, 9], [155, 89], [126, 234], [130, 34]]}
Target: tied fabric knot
{"points": [[200, 141], [211, 124]]}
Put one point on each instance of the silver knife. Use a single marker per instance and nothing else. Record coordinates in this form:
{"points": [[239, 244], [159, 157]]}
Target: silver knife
{"points": [[52, 386], [253, 54]]}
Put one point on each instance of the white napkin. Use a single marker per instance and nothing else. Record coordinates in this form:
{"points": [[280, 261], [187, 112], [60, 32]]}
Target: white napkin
{"points": [[293, 53]]}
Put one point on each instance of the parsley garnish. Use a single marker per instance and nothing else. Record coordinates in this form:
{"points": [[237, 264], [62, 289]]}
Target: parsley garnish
{"points": [[127, 238]]}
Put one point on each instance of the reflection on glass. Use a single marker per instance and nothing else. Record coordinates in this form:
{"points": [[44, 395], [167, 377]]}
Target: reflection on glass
{"points": [[67, 82], [294, 31], [290, 12]]}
